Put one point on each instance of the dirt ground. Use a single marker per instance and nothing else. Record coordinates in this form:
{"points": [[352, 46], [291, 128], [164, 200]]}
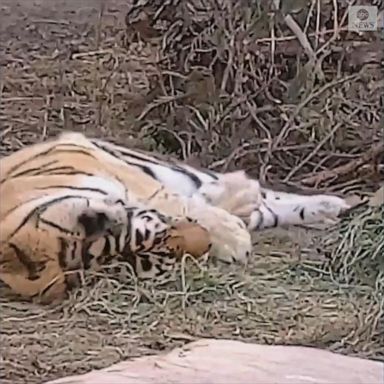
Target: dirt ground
{"points": [[58, 57]]}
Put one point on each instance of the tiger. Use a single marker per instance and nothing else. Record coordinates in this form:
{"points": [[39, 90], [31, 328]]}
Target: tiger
{"points": [[75, 203]]}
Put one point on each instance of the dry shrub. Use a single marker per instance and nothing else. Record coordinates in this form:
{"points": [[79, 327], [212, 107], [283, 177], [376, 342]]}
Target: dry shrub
{"points": [[287, 94]]}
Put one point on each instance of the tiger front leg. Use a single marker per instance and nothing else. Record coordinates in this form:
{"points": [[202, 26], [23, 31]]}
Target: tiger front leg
{"points": [[230, 240]]}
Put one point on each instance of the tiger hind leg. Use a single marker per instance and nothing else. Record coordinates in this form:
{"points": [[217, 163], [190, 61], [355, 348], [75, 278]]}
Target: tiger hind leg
{"points": [[262, 208], [234, 192], [283, 209]]}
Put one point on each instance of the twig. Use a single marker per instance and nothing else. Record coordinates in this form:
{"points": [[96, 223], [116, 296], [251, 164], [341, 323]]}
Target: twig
{"points": [[48, 100], [92, 53], [295, 28], [21, 98], [309, 16], [318, 17], [99, 23], [337, 27], [293, 37], [50, 21], [229, 66]]}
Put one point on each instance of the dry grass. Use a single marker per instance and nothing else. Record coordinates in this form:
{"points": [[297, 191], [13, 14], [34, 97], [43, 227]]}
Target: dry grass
{"points": [[277, 299], [357, 247], [67, 67]]}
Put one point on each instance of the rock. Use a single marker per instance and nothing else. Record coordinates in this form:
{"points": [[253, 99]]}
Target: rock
{"points": [[227, 362]]}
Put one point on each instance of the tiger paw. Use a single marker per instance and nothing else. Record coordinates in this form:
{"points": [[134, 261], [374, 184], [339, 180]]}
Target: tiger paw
{"points": [[325, 209], [231, 241]]}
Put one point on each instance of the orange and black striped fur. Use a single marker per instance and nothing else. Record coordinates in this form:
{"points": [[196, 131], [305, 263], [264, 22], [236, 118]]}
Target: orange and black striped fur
{"points": [[75, 203]]}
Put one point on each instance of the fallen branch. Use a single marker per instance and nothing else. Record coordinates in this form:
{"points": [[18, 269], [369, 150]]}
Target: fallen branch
{"points": [[352, 166]]}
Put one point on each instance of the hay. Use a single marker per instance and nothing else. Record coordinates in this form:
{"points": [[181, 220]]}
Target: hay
{"points": [[357, 247], [276, 300], [66, 67]]}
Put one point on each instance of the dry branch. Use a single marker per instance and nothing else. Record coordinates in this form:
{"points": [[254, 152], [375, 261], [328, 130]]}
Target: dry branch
{"points": [[376, 151]]}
